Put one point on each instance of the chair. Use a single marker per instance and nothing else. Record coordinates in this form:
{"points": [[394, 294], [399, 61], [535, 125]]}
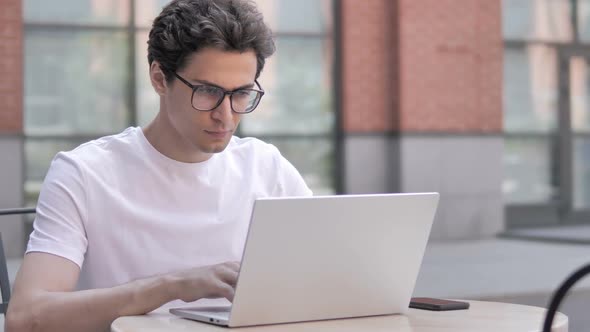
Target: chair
{"points": [[561, 293], [4, 280]]}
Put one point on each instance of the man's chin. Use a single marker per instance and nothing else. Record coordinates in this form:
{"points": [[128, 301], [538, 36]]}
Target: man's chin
{"points": [[214, 148]]}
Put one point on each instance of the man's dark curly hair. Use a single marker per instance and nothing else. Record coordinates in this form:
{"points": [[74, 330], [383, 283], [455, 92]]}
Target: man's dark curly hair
{"points": [[187, 26]]}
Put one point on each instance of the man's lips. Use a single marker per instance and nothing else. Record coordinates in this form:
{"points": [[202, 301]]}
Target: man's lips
{"points": [[218, 133]]}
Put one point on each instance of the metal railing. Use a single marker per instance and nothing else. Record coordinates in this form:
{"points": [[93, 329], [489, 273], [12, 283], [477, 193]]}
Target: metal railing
{"points": [[8, 212]]}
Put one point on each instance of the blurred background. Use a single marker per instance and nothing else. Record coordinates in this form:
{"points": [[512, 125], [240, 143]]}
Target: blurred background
{"points": [[484, 101]]}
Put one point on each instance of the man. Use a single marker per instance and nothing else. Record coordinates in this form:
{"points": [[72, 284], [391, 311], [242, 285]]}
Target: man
{"points": [[130, 222]]}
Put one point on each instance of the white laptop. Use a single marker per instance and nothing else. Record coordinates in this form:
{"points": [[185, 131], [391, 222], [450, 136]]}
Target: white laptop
{"points": [[327, 257]]}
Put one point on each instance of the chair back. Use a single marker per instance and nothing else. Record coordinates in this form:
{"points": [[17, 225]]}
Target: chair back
{"points": [[4, 279], [561, 293]]}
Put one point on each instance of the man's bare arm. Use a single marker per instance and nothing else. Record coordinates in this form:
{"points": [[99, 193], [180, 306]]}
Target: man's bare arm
{"points": [[44, 298]]}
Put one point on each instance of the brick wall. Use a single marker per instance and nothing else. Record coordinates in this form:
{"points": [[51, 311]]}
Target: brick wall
{"points": [[11, 67], [451, 65], [368, 65], [422, 66]]}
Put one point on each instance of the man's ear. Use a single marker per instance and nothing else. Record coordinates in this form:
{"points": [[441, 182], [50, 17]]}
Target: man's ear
{"points": [[158, 78]]}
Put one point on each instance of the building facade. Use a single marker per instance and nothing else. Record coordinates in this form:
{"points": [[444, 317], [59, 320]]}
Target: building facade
{"points": [[364, 97]]}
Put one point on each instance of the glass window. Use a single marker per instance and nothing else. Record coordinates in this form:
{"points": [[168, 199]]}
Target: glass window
{"points": [[147, 10], [528, 171], [581, 173], [83, 12], [584, 20], [298, 86], [579, 91], [547, 20], [302, 16], [530, 89], [148, 101], [38, 156], [75, 82], [313, 158], [78, 79]]}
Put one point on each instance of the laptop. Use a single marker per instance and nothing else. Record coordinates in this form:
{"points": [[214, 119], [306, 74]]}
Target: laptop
{"points": [[327, 257]]}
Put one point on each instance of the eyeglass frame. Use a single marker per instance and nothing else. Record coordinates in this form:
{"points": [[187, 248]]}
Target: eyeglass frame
{"points": [[194, 87]]}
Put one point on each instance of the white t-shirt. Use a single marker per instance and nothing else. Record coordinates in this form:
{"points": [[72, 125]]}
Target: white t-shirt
{"points": [[121, 210]]}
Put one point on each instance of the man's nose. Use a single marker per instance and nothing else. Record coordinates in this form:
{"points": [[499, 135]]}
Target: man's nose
{"points": [[223, 112]]}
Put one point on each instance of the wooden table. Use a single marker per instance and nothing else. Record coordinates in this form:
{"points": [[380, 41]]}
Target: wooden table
{"points": [[481, 316]]}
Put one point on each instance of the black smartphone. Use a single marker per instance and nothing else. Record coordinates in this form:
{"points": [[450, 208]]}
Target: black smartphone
{"points": [[428, 303]]}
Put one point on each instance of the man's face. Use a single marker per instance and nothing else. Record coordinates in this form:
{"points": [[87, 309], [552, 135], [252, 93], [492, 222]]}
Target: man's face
{"points": [[209, 132]]}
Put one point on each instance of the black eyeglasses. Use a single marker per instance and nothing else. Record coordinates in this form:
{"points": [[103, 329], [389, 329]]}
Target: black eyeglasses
{"points": [[208, 97]]}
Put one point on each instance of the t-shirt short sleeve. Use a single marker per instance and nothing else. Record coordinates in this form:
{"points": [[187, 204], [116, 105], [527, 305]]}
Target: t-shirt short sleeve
{"points": [[61, 208]]}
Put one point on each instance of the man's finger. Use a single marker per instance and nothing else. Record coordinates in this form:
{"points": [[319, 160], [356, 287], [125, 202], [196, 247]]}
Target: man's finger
{"points": [[234, 265], [227, 291], [228, 275]]}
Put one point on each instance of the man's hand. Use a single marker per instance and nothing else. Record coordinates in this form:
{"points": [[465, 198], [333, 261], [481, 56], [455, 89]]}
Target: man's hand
{"points": [[212, 281]]}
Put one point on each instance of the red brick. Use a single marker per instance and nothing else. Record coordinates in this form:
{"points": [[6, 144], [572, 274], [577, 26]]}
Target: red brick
{"points": [[11, 67], [422, 66], [9, 46], [453, 83], [367, 68], [11, 10]]}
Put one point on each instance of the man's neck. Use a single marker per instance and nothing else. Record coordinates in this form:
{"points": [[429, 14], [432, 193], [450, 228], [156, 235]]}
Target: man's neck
{"points": [[167, 140]]}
